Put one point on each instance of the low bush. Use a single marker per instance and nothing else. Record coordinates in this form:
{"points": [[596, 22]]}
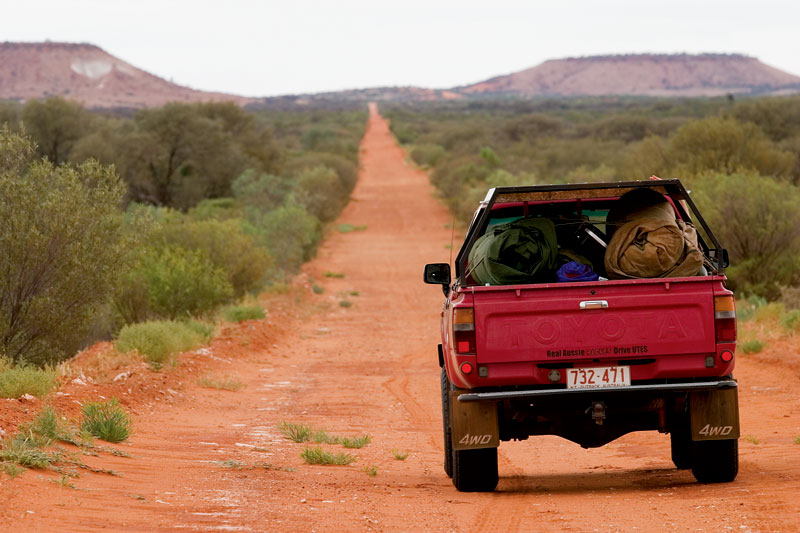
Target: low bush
{"points": [[106, 420], [160, 341], [17, 380], [244, 263], [239, 313], [173, 282], [790, 321], [753, 346]]}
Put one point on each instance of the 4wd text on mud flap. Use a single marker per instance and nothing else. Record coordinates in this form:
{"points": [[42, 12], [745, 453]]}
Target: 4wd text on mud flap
{"points": [[471, 440], [709, 430]]}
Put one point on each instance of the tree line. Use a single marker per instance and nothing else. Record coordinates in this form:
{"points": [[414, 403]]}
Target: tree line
{"points": [[109, 219], [741, 159]]}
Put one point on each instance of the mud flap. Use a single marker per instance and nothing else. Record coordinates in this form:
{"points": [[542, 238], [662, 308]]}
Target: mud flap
{"points": [[474, 424], [714, 414]]}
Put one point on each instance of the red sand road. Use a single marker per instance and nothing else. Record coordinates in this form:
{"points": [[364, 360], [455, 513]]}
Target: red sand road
{"points": [[199, 454]]}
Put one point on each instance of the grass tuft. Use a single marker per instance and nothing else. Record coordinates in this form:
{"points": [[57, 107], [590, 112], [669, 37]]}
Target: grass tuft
{"points": [[160, 340], [354, 293], [371, 471], [234, 465], [330, 274], [752, 439], [24, 452], [296, 432], [400, 456], [797, 440], [319, 456], [753, 346], [356, 442], [347, 228], [64, 482], [11, 469], [240, 313], [16, 381], [345, 303], [107, 420], [211, 381], [317, 289], [323, 436]]}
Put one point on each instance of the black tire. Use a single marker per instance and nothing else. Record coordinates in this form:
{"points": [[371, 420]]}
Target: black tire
{"points": [[475, 470], [680, 439], [448, 443], [715, 461]]}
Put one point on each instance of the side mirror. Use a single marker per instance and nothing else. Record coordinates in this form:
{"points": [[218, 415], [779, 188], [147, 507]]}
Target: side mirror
{"points": [[438, 274], [720, 256]]}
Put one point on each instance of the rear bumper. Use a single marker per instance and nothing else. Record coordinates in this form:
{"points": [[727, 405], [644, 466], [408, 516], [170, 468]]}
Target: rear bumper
{"points": [[654, 387]]}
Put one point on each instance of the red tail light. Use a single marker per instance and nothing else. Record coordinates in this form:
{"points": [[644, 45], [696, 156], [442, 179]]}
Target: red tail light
{"points": [[464, 330], [725, 318]]}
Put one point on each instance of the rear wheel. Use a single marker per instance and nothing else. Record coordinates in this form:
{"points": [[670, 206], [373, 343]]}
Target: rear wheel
{"points": [[448, 443], [715, 461], [680, 438], [475, 470]]}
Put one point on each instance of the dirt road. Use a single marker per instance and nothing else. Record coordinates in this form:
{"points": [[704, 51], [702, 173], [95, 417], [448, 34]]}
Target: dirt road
{"points": [[198, 455]]}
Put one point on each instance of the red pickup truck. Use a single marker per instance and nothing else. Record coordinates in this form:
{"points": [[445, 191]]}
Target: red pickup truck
{"points": [[592, 360]]}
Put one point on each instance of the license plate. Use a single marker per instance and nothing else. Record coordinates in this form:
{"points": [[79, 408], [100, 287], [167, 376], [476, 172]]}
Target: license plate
{"points": [[597, 377]]}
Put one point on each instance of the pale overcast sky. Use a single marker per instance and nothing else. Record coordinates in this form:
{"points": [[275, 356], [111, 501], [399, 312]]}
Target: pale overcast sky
{"points": [[269, 48]]}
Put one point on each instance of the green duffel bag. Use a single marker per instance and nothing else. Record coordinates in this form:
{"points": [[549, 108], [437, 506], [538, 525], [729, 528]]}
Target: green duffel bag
{"points": [[519, 252]]}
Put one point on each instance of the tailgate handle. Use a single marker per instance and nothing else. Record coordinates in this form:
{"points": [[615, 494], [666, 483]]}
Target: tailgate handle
{"points": [[594, 304]]}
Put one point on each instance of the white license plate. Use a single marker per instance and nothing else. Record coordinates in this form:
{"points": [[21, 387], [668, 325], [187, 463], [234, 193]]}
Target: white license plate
{"points": [[600, 376]]}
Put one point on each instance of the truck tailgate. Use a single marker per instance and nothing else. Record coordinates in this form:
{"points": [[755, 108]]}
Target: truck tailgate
{"points": [[612, 320]]}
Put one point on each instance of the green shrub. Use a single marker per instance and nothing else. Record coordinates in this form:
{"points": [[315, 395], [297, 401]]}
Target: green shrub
{"points": [[243, 262], [321, 193], [290, 233], [62, 243], [791, 321], [160, 341], [757, 219], [106, 420], [239, 313], [20, 379], [316, 289], [719, 144], [262, 191], [180, 283], [753, 346], [427, 155]]}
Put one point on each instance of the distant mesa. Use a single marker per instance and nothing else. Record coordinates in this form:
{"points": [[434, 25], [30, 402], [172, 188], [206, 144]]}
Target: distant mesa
{"points": [[87, 74], [641, 74]]}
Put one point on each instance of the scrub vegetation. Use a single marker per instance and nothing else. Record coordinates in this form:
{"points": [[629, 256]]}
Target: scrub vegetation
{"points": [[740, 159], [160, 217]]}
